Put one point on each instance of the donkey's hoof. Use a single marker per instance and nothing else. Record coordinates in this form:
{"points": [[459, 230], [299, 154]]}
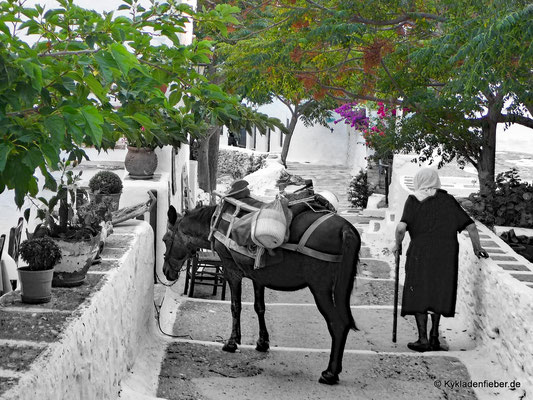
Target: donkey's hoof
{"points": [[230, 347], [329, 378], [262, 346]]}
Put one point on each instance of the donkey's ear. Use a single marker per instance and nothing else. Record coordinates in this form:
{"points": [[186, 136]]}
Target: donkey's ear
{"points": [[172, 215]]}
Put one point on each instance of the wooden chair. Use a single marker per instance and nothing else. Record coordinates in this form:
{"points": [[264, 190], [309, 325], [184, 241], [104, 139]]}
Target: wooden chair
{"points": [[205, 268], [13, 246], [14, 240], [2, 241]]}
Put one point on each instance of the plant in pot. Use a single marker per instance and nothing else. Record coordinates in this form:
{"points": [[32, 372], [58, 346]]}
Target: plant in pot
{"points": [[41, 255], [106, 187], [146, 132], [77, 230]]}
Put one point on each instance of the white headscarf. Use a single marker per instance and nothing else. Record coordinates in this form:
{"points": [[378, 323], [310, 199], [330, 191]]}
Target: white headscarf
{"points": [[426, 183]]}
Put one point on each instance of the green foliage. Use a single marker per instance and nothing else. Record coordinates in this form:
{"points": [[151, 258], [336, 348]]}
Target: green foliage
{"points": [[63, 216], [105, 182], [455, 64], [359, 191], [238, 164], [90, 78], [259, 67], [511, 203], [89, 216], [40, 253]]}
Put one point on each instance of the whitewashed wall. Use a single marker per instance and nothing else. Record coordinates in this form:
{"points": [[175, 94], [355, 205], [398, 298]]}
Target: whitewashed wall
{"points": [[496, 307], [100, 343], [337, 145]]}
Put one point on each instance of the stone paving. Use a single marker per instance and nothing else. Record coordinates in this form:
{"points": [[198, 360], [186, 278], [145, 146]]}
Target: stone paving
{"points": [[374, 367]]}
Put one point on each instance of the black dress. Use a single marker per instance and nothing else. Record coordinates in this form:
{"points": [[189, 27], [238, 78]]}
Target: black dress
{"points": [[432, 258]]}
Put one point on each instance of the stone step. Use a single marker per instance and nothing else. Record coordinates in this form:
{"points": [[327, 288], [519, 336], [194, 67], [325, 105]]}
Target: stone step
{"points": [[366, 291], [296, 326], [194, 371]]}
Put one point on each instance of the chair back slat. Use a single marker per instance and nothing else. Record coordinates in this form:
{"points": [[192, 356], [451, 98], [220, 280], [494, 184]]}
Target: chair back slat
{"points": [[14, 240], [2, 241]]}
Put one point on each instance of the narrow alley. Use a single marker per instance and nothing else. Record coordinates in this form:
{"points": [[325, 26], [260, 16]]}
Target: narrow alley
{"points": [[195, 367]]}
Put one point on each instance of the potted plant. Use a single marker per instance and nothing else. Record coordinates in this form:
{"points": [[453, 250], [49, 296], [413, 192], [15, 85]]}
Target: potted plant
{"points": [[106, 187], [140, 162], [41, 255], [143, 136], [77, 230]]}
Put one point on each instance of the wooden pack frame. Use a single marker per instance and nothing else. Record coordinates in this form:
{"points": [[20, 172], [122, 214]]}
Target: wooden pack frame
{"points": [[231, 218]]}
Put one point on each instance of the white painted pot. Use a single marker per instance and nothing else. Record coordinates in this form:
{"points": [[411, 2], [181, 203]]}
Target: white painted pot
{"points": [[76, 258]]}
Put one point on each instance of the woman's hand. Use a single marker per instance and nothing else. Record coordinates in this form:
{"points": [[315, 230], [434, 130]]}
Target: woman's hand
{"points": [[474, 238], [397, 250], [399, 234], [480, 252]]}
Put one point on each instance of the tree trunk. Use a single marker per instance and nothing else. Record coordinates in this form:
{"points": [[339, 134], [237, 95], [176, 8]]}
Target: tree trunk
{"points": [[208, 159], [487, 163], [212, 162], [288, 136], [203, 163]]}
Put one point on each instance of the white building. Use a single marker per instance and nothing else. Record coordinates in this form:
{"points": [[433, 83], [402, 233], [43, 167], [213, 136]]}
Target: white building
{"points": [[337, 145]]}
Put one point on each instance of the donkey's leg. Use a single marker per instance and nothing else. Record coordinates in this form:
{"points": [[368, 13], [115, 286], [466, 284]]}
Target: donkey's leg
{"points": [[235, 285], [263, 343], [338, 329]]}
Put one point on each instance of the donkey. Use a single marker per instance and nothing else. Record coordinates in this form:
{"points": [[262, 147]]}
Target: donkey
{"points": [[330, 283]]}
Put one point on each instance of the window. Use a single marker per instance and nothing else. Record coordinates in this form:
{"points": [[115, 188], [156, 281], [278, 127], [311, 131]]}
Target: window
{"points": [[242, 138], [254, 135]]}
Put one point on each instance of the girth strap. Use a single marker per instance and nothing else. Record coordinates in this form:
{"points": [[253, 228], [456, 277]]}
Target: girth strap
{"points": [[309, 231], [302, 248]]}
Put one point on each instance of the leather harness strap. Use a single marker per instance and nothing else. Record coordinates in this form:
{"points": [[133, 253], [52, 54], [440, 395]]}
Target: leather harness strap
{"points": [[307, 234], [300, 247]]}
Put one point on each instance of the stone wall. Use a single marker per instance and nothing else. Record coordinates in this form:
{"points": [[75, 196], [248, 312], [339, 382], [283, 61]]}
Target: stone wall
{"points": [[495, 300], [83, 350]]}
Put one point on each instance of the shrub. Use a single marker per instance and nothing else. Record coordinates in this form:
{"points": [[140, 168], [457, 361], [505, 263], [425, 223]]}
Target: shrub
{"points": [[359, 191], [40, 253], [510, 204], [92, 214], [239, 163], [105, 182]]}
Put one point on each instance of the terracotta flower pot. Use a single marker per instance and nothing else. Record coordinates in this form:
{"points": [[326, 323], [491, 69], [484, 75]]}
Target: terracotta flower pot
{"points": [[35, 286], [77, 257], [140, 163]]}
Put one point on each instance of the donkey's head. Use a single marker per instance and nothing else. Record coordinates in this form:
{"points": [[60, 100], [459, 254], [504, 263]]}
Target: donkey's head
{"points": [[178, 246]]}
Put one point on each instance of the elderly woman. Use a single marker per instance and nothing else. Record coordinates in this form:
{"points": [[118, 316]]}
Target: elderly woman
{"points": [[433, 218]]}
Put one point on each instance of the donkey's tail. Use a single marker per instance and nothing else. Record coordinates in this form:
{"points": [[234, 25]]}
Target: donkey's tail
{"points": [[345, 278]]}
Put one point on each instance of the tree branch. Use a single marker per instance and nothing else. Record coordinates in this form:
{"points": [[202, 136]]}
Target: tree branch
{"points": [[24, 112], [287, 103], [68, 53], [233, 41], [516, 119], [357, 96], [399, 20], [320, 7]]}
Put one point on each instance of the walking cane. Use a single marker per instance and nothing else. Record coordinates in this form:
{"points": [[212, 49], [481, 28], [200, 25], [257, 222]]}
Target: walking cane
{"points": [[396, 287]]}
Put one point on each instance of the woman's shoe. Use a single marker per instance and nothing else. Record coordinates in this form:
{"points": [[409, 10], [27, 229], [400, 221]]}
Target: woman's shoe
{"points": [[435, 344], [420, 347]]}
